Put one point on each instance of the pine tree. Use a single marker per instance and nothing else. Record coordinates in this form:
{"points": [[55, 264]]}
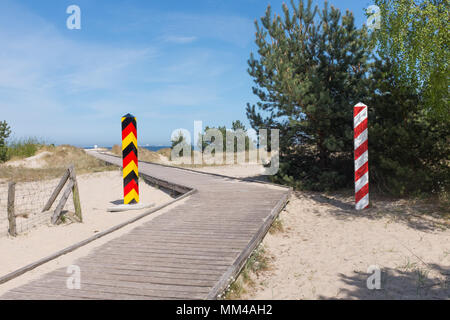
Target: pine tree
{"points": [[310, 70], [5, 131]]}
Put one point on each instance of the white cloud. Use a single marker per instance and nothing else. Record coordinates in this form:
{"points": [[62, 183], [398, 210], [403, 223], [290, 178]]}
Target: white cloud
{"points": [[227, 28], [53, 84], [179, 39]]}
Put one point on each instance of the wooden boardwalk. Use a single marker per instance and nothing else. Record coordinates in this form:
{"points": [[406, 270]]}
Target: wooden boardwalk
{"points": [[189, 252]]}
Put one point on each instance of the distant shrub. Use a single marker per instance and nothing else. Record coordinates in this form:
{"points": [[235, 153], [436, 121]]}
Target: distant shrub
{"points": [[116, 149], [23, 148]]}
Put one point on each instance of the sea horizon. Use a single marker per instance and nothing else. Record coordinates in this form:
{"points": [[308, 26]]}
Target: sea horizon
{"points": [[150, 147]]}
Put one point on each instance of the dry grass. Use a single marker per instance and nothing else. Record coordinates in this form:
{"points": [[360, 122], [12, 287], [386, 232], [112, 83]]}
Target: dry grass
{"points": [[147, 155], [258, 261], [143, 154], [277, 226], [165, 152], [117, 150], [55, 163]]}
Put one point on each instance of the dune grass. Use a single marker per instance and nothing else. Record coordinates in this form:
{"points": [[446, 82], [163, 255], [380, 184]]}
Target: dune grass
{"points": [[143, 154], [23, 148], [258, 261], [54, 163], [277, 226], [165, 152]]}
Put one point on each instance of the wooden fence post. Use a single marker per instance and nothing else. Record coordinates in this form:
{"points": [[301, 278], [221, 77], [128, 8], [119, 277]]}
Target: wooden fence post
{"points": [[58, 189], [72, 186], [11, 212], [62, 202], [76, 194]]}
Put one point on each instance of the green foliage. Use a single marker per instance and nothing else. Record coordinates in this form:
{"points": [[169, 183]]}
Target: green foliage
{"points": [[236, 127], [408, 151], [5, 131], [179, 139], [414, 36], [23, 148], [310, 72], [258, 261]]}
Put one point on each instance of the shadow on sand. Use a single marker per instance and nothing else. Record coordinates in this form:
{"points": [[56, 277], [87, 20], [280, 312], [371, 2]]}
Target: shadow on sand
{"points": [[411, 282], [418, 216]]}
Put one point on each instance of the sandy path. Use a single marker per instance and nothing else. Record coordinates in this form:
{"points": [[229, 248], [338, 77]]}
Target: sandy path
{"points": [[97, 191], [326, 249]]}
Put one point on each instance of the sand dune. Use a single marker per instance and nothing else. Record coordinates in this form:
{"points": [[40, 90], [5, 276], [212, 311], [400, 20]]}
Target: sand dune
{"points": [[34, 162]]}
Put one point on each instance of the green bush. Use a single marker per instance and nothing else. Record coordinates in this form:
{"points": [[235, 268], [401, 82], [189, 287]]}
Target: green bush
{"points": [[23, 148], [408, 151], [5, 131]]}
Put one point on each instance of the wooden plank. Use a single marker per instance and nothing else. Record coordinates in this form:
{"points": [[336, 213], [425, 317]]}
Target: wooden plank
{"points": [[100, 274], [159, 263], [179, 251], [176, 233], [57, 190], [99, 292], [216, 259], [173, 251], [112, 285], [22, 295], [62, 202], [186, 236], [150, 259], [164, 273], [155, 267], [199, 229], [202, 246], [212, 244], [194, 237]]}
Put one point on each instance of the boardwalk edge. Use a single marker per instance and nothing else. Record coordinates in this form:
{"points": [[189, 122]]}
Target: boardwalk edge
{"points": [[239, 263]]}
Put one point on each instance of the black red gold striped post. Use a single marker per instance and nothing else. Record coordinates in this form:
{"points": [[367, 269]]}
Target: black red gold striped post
{"points": [[130, 160]]}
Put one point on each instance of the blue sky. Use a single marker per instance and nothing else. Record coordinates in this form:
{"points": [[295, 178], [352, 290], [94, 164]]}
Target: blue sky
{"points": [[167, 62]]}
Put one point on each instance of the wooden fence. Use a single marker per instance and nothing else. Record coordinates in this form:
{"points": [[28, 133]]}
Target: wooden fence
{"points": [[69, 180]]}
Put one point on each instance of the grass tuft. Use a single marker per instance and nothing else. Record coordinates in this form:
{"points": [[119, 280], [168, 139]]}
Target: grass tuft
{"points": [[257, 262], [277, 226]]}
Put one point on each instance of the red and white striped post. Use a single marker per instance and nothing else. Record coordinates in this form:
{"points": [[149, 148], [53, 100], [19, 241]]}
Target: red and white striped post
{"points": [[361, 156]]}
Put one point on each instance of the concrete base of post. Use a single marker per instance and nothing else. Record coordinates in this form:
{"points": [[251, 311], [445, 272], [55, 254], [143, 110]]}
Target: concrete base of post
{"points": [[128, 207]]}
